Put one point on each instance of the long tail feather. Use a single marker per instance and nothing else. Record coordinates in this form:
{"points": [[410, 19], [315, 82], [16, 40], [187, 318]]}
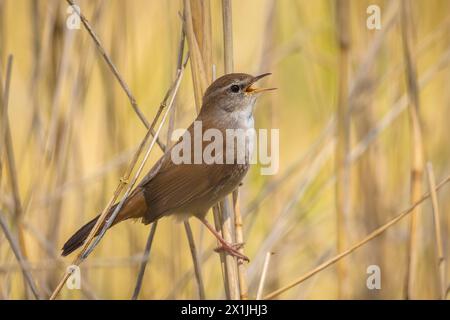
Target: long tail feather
{"points": [[134, 207], [78, 238]]}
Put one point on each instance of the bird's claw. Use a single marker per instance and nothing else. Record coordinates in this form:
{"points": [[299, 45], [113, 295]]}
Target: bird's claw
{"points": [[232, 249]]}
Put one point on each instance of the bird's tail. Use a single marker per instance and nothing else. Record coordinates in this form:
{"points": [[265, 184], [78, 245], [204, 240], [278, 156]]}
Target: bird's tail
{"points": [[134, 207], [78, 238]]}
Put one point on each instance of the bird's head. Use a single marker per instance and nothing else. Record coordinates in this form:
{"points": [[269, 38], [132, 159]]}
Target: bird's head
{"points": [[233, 92]]}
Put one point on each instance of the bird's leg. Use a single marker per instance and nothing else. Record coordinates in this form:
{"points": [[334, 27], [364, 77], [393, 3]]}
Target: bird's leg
{"points": [[228, 247]]}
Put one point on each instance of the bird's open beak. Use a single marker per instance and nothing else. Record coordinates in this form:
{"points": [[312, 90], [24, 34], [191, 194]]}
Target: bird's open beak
{"points": [[252, 90]]}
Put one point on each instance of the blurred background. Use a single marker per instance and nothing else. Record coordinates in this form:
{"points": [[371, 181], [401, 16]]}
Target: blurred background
{"points": [[74, 132]]}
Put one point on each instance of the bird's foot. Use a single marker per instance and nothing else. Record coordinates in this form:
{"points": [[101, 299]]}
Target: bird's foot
{"points": [[232, 248]]}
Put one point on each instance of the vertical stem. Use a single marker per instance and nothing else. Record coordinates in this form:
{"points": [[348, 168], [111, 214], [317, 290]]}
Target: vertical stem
{"points": [[227, 209], [242, 270], [196, 261], [217, 225], [343, 136], [197, 22], [227, 35], [145, 258], [226, 221], [6, 140], [20, 258], [441, 262], [417, 150], [151, 234], [262, 280], [199, 75]]}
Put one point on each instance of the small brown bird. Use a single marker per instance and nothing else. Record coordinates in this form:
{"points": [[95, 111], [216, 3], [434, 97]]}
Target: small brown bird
{"points": [[191, 189]]}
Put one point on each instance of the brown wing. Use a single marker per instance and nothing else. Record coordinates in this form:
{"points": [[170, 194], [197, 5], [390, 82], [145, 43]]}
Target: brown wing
{"points": [[180, 188], [188, 188]]}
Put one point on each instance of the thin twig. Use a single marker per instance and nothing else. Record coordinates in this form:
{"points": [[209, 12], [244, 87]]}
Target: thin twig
{"points": [[262, 280], [195, 260], [227, 210], [116, 73], [87, 248], [169, 133], [368, 238], [441, 262], [143, 264], [10, 158], [238, 225], [227, 35], [193, 248], [343, 139], [417, 149], [111, 219], [395, 111], [216, 215], [19, 256], [56, 260], [199, 75], [226, 225]]}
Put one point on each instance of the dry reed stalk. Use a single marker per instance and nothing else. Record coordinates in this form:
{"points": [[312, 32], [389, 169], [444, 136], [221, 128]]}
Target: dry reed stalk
{"points": [[3, 122], [201, 21], [112, 100], [238, 226], [324, 152], [369, 200], [6, 141], [227, 210], [297, 165], [10, 158], [90, 243], [65, 146], [226, 225], [441, 262], [329, 130], [36, 124], [202, 76], [51, 149], [143, 264], [115, 71], [395, 111], [3, 33], [56, 150], [357, 245], [272, 115], [206, 48], [173, 91], [56, 260], [192, 246], [195, 260], [283, 222], [362, 146], [227, 36], [124, 181], [15, 247], [217, 224], [343, 138], [399, 106], [199, 75], [262, 280], [417, 149]]}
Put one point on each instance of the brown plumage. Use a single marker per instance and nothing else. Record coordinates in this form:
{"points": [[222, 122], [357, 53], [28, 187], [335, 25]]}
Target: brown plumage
{"points": [[192, 189]]}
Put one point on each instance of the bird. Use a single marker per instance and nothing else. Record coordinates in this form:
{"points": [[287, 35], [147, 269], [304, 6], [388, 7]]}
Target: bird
{"points": [[189, 189]]}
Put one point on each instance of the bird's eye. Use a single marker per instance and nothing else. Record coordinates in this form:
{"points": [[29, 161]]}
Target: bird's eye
{"points": [[235, 88]]}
